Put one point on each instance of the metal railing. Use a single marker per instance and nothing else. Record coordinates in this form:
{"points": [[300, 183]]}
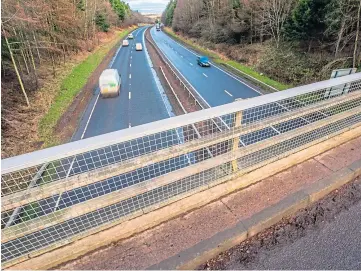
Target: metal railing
{"points": [[54, 196]]}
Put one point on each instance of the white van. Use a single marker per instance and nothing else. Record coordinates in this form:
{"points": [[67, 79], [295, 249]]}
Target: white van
{"points": [[109, 83], [138, 47], [125, 43]]}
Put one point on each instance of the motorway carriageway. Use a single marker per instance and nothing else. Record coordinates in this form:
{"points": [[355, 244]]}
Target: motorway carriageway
{"points": [[139, 102], [215, 85], [210, 90]]}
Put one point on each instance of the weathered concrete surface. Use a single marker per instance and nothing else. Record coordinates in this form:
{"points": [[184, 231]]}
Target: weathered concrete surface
{"points": [[164, 241]]}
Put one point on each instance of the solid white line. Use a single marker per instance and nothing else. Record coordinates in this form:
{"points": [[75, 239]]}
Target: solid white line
{"points": [[228, 93], [205, 75], [91, 113], [130, 95], [130, 76]]}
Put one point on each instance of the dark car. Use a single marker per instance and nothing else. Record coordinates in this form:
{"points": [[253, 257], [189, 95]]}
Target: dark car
{"points": [[203, 61]]}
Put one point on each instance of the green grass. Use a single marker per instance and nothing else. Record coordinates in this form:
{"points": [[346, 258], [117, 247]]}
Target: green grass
{"points": [[250, 72], [70, 87]]}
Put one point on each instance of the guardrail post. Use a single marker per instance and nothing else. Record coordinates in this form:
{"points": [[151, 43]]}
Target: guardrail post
{"points": [[235, 144]]}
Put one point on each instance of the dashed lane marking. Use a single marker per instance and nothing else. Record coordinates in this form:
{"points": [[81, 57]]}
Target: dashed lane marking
{"points": [[228, 93]]}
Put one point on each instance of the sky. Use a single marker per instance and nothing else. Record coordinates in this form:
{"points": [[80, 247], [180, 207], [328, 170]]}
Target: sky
{"points": [[148, 6]]}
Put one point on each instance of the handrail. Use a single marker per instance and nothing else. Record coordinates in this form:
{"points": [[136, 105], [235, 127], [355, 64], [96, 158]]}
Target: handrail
{"points": [[70, 149]]}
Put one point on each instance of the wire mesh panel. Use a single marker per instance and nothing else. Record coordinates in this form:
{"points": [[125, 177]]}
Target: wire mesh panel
{"points": [[71, 195]]}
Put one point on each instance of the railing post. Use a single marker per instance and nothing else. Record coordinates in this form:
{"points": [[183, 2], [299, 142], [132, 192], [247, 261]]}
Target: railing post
{"points": [[235, 144]]}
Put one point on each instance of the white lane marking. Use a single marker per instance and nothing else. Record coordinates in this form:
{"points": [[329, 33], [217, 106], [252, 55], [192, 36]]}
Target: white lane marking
{"points": [[237, 79], [131, 57], [191, 64], [130, 65], [205, 75], [228, 93], [181, 56], [219, 68], [130, 95], [91, 113], [130, 76]]}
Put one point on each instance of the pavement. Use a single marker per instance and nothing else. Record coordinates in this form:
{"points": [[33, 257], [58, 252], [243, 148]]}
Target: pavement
{"points": [[171, 238]]}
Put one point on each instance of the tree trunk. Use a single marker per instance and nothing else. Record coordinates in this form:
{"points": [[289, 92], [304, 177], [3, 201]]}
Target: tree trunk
{"points": [[17, 72], [357, 35], [34, 67], [53, 63], [37, 47]]}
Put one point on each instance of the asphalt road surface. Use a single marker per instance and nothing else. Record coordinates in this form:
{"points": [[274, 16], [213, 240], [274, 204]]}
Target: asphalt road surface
{"points": [[139, 102], [215, 85], [336, 245]]}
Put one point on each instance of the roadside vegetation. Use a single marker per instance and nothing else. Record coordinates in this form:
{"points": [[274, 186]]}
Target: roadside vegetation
{"points": [[282, 43], [49, 50]]}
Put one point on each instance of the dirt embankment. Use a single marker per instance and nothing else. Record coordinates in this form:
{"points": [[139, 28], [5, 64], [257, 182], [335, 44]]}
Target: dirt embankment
{"points": [[19, 123]]}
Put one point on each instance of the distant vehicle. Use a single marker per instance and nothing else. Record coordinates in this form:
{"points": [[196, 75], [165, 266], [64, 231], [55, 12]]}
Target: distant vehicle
{"points": [[203, 61], [130, 36], [138, 47], [109, 83], [125, 43], [157, 26]]}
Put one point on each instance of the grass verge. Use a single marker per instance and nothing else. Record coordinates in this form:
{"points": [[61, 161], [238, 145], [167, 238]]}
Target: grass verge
{"points": [[247, 71], [70, 86]]}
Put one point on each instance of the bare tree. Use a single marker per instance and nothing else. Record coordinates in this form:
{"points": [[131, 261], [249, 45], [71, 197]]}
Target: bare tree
{"points": [[275, 13]]}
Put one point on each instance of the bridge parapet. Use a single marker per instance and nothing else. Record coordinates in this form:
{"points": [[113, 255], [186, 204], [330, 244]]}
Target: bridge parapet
{"points": [[55, 195]]}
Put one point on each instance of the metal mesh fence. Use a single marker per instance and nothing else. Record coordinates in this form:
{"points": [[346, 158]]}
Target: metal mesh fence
{"points": [[62, 199]]}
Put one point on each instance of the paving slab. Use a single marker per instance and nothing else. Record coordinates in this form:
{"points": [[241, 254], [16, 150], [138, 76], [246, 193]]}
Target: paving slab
{"points": [[161, 242], [342, 156], [271, 190]]}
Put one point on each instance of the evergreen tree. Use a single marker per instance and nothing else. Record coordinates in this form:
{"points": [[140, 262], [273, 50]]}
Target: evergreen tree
{"points": [[307, 21]]}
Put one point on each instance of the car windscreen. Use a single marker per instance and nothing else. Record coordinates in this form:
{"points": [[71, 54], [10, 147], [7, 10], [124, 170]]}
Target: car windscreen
{"points": [[204, 59]]}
